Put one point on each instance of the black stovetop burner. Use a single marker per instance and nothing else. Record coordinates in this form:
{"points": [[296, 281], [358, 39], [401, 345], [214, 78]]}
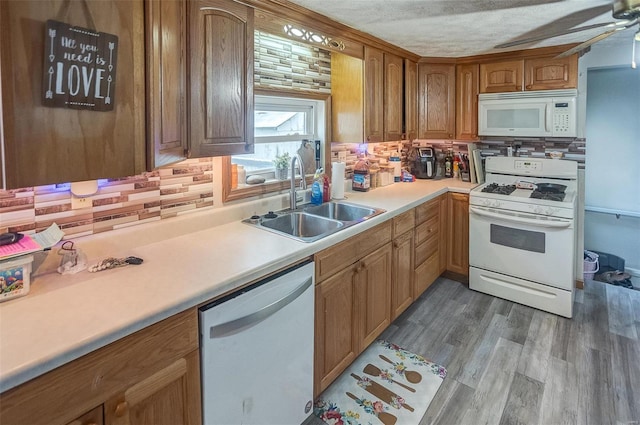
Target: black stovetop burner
{"points": [[549, 196], [502, 189]]}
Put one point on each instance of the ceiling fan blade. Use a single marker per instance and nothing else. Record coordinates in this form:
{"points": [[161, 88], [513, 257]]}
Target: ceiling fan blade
{"points": [[557, 34], [595, 39], [560, 26]]}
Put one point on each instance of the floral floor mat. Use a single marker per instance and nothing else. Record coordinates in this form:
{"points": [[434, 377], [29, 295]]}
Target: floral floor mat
{"points": [[385, 385]]}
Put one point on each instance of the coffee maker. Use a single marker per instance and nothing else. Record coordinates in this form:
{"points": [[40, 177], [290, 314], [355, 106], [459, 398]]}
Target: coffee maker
{"points": [[423, 163]]}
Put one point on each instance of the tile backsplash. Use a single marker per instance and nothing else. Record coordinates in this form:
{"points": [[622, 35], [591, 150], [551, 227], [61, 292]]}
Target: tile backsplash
{"points": [[572, 149], [122, 202]]}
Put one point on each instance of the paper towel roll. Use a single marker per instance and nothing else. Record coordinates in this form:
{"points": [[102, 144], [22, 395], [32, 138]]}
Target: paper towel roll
{"points": [[337, 180]]}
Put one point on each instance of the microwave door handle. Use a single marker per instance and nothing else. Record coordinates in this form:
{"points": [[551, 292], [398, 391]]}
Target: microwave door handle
{"points": [[520, 220], [547, 117]]}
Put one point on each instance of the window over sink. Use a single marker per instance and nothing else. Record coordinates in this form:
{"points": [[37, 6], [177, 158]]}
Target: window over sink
{"points": [[285, 124]]}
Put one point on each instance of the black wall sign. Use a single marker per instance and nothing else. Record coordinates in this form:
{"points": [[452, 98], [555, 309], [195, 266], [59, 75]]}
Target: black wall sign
{"points": [[79, 68]]}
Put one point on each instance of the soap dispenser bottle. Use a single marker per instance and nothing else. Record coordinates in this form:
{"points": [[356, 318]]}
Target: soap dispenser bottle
{"points": [[316, 188]]}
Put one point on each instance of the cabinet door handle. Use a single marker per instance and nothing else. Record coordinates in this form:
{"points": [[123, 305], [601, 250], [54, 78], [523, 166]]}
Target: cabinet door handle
{"points": [[528, 87], [396, 244], [121, 409], [519, 88]]}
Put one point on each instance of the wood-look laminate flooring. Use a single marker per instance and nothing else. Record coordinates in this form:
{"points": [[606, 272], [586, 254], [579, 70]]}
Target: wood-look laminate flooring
{"points": [[512, 364]]}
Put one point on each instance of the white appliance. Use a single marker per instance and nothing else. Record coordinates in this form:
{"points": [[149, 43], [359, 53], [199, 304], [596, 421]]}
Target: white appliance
{"points": [[522, 234], [544, 113], [257, 352]]}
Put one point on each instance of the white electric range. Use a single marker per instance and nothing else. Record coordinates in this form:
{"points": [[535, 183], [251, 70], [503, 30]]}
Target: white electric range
{"points": [[522, 232]]}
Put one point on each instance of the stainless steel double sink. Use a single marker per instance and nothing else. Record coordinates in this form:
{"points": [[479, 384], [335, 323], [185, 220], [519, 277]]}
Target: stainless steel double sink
{"points": [[313, 222]]}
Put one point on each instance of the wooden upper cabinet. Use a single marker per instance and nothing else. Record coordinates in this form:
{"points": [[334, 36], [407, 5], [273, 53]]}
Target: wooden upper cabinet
{"points": [[436, 101], [373, 94], [46, 145], [166, 39], [546, 73], [221, 78], [393, 97], [467, 101], [367, 97], [347, 98], [550, 73], [410, 99], [497, 77]]}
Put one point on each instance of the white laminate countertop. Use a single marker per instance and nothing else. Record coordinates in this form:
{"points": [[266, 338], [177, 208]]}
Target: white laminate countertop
{"points": [[188, 261]]}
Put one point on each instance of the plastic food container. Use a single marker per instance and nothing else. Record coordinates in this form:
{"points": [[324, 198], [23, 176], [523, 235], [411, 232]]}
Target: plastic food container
{"points": [[15, 277]]}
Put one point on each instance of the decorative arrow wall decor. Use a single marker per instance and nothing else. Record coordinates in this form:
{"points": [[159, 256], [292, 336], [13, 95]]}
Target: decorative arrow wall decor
{"points": [[79, 67]]}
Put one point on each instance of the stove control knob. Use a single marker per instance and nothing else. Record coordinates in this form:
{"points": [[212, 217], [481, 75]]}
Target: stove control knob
{"points": [[486, 202], [538, 210], [496, 204]]}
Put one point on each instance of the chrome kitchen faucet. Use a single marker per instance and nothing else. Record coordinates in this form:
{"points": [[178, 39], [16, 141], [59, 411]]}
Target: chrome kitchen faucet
{"points": [[303, 184]]}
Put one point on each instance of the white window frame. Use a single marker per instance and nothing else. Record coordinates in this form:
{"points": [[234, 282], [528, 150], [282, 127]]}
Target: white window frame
{"points": [[320, 104]]}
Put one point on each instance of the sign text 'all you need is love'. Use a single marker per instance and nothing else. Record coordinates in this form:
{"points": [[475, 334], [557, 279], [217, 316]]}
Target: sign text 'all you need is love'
{"points": [[79, 67]]}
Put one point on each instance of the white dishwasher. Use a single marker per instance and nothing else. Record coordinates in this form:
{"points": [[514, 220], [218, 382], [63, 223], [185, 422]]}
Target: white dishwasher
{"points": [[256, 352]]}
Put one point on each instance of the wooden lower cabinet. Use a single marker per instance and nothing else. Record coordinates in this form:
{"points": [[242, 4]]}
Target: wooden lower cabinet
{"points": [[373, 295], [161, 399], [353, 300], [443, 203], [352, 308], [335, 341], [402, 274], [93, 417], [430, 243], [425, 274], [151, 376], [458, 250], [402, 262]]}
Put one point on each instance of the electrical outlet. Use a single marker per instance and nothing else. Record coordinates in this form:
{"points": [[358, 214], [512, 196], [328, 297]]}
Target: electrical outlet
{"points": [[81, 202]]}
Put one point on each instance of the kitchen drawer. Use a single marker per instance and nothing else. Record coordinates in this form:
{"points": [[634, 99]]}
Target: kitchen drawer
{"points": [[427, 211], [403, 223], [427, 248], [339, 256], [427, 229], [426, 274]]}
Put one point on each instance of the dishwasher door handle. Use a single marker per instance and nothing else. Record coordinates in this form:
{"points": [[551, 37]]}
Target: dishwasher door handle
{"points": [[236, 325]]}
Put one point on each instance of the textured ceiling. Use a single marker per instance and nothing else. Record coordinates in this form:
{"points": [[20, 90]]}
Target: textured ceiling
{"points": [[449, 28]]}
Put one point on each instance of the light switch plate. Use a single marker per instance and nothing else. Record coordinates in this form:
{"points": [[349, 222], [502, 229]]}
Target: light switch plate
{"points": [[81, 202]]}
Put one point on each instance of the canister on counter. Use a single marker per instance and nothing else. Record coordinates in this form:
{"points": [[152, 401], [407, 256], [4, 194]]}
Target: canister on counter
{"points": [[361, 177], [394, 160], [374, 171]]}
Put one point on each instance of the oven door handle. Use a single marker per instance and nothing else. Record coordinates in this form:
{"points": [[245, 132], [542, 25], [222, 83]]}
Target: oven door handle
{"points": [[521, 220]]}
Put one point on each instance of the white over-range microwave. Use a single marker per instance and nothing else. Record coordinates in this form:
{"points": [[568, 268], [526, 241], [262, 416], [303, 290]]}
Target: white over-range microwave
{"points": [[547, 113]]}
